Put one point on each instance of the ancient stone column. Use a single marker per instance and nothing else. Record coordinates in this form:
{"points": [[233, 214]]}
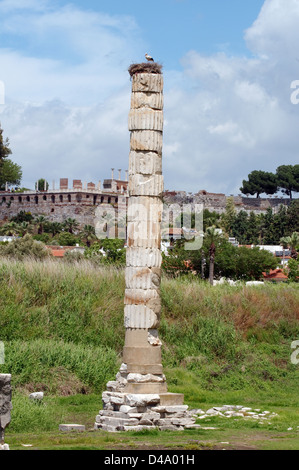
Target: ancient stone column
{"points": [[139, 394], [5, 407]]}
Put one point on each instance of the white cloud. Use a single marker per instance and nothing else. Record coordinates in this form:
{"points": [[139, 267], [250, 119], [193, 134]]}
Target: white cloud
{"points": [[66, 110], [235, 115], [66, 117]]}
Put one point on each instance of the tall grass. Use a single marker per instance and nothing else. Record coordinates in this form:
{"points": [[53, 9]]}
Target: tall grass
{"points": [[62, 325], [78, 303]]}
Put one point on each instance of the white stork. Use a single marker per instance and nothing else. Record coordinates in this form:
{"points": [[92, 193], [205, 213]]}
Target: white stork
{"points": [[149, 58]]}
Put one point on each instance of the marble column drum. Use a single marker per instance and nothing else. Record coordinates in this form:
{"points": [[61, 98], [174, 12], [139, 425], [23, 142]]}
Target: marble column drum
{"points": [[139, 395]]}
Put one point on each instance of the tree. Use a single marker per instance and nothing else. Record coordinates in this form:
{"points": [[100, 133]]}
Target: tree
{"points": [[10, 174], [288, 179], [267, 229], [67, 239], [252, 262], [293, 270], [211, 238], [292, 217], [53, 228], [260, 182], [88, 234], [240, 227], [42, 184], [22, 216], [70, 224], [292, 243], [4, 148], [228, 218], [40, 221], [210, 218], [23, 228], [10, 229]]}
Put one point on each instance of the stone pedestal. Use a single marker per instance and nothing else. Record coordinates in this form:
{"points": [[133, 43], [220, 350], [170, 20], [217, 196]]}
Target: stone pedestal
{"points": [[137, 411], [139, 396], [5, 407]]}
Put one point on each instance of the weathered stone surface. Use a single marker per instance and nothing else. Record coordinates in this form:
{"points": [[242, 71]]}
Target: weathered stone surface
{"points": [[145, 209], [128, 409], [142, 399], [171, 427], [142, 355], [149, 297], [147, 140], [117, 421], [172, 399], [71, 427], [145, 119], [147, 82], [143, 278], [36, 396], [138, 239], [151, 100], [146, 368], [146, 185], [137, 428], [144, 221], [145, 163], [153, 337], [144, 257], [183, 421], [145, 378], [5, 404], [4, 447], [170, 409], [140, 316], [153, 304], [148, 387]]}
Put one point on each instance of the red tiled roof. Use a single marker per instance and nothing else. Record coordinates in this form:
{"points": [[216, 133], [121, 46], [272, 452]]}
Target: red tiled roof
{"points": [[276, 274], [59, 251]]}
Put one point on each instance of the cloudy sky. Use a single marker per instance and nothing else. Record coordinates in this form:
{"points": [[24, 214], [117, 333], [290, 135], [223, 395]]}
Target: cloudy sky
{"points": [[228, 69]]}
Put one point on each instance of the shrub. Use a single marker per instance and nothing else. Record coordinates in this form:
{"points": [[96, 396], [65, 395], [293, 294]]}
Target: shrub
{"points": [[25, 247], [67, 239]]}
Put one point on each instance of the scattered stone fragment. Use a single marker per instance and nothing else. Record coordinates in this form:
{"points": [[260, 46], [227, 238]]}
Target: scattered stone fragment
{"points": [[36, 396], [236, 411], [71, 427], [4, 447]]}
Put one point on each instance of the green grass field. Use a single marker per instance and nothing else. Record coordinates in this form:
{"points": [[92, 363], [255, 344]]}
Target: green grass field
{"points": [[62, 328]]}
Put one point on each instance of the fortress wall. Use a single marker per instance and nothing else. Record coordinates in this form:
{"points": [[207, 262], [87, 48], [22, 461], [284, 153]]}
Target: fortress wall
{"points": [[56, 206]]}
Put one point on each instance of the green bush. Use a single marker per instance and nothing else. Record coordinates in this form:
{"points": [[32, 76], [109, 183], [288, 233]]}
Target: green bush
{"points": [[25, 247], [67, 239]]}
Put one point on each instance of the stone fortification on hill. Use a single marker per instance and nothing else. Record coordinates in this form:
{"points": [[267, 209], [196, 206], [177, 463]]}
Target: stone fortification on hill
{"points": [[81, 200], [217, 201], [78, 201]]}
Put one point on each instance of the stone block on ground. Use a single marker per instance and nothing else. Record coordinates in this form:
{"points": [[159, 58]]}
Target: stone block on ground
{"points": [[71, 427]]}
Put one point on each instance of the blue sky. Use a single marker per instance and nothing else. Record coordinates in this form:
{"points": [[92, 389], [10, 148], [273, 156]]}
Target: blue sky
{"points": [[228, 67]]}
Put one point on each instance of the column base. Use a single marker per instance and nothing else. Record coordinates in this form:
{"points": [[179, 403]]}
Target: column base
{"points": [[135, 412]]}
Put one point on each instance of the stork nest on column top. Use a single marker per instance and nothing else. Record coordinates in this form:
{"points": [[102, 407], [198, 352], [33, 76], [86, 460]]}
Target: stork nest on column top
{"points": [[145, 67]]}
